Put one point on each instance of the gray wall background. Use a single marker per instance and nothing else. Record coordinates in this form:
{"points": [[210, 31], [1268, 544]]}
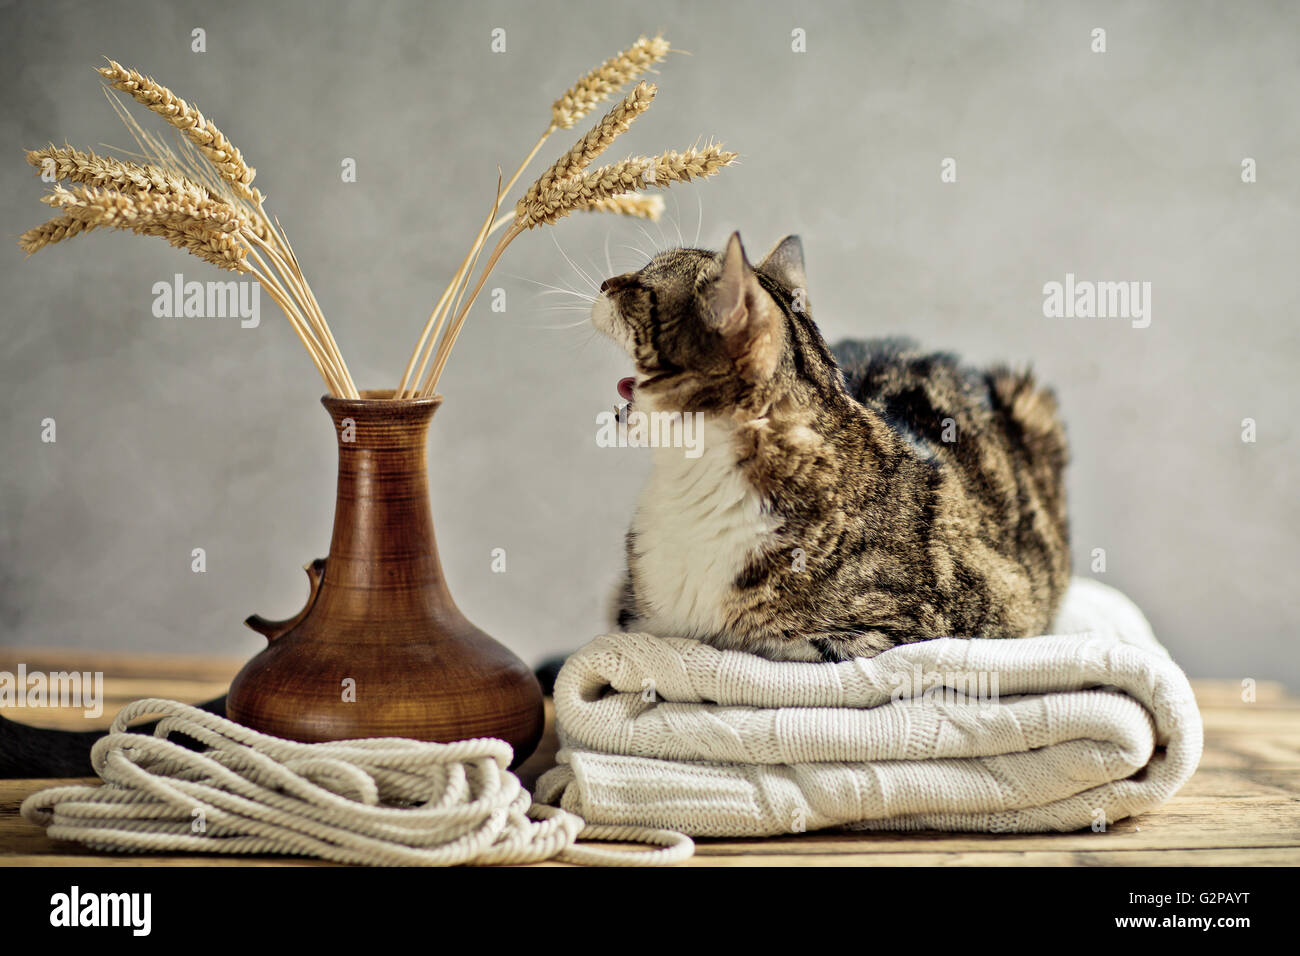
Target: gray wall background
{"points": [[175, 434]]}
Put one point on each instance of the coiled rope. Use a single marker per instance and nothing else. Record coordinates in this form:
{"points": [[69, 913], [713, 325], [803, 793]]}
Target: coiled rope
{"points": [[381, 801]]}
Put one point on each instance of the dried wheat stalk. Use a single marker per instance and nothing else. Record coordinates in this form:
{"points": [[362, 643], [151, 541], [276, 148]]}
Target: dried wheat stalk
{"points": [[202, 228], [56, 230], [199, 198], [194, 168], [632, 205], [597, 140], [560, 190], [605, 80], [186, 117], [629, 204], [565, 186], [78, 166], [107, 205], [628, 175], [584, 191], [287, 284], [592, 89]]}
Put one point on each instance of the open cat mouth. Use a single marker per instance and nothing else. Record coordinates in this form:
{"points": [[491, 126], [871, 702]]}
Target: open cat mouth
{"points": [[625, 386]]}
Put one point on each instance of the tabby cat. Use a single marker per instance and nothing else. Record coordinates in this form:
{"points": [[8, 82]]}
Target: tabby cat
{"points": [[846, 500]]}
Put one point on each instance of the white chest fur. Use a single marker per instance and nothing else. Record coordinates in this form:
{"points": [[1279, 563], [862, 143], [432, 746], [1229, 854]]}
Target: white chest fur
{"points": [[697, 524]]}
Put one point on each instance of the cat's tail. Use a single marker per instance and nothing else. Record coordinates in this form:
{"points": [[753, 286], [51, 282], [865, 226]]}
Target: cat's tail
{"points": [[36, 752], [1041, 451], [1034, 410]]}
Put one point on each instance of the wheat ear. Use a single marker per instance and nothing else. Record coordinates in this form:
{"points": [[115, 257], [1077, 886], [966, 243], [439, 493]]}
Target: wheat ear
{"points": [[570, 164], [632, 205], [629, 204], [209, 158], [567, 187], [108, 204], [579, 192], [598, 138], [193, 125], [161, 216], [84, 166], [598, 85], [626, 176], [56, 230], [592, 89]]}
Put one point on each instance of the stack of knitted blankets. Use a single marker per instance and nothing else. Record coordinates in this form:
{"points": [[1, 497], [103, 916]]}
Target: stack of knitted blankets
{"points": [[1079, 728]]}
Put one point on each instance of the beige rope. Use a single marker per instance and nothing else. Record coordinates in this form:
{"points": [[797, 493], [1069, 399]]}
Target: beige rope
{"points": [[382, 801]]}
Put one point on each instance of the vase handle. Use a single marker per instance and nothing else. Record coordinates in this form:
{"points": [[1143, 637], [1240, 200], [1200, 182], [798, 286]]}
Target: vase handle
{"points": [[274, 629]]}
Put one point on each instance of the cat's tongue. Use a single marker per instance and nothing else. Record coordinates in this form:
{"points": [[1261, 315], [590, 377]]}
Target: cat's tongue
{"points": [[625, 386]]}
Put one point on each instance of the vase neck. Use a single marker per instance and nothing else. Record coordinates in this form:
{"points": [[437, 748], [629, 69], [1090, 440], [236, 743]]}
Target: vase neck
{"points": [[383, 540]]}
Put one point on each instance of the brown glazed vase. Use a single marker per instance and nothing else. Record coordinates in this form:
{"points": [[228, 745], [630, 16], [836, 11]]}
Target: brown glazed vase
{"points": [[381, 650]]}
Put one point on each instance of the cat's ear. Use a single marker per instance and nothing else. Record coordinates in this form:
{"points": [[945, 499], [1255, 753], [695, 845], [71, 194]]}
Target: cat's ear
{"points": [[785, 264], [745, 315]]}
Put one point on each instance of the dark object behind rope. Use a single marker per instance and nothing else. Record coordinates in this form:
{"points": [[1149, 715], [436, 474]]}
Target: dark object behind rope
{"points": [[547, 671], [35, 752]]}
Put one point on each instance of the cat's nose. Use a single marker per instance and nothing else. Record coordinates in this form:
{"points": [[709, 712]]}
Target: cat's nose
{"points": [[618, 283]]}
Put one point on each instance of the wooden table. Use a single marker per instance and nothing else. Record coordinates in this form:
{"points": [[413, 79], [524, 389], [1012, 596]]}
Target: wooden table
{"points": [[1241, 808]]}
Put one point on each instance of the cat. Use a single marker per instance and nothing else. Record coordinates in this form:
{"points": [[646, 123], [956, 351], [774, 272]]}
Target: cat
{"points": [[845, 500]]}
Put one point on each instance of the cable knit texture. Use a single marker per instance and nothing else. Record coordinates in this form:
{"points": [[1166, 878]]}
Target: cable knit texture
{"points": [[1051, 733]]}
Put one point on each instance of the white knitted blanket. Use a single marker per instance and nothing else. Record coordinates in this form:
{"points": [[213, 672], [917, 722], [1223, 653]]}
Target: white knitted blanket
{"points": [[1094, 723]]}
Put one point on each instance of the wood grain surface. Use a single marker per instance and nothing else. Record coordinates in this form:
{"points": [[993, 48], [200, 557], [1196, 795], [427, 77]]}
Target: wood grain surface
{"points": [[1242, 808]]}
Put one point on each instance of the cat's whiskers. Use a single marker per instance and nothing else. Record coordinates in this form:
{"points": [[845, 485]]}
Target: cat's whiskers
{"points": [[578, 309], [587, 279], [558, 290], [663, 239], [580, 343], [699, 218], [580, 295], [658, 247], [582, 309], [677, 220], [595, 269], [583, 306], [566, 327], [644, 256]]}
